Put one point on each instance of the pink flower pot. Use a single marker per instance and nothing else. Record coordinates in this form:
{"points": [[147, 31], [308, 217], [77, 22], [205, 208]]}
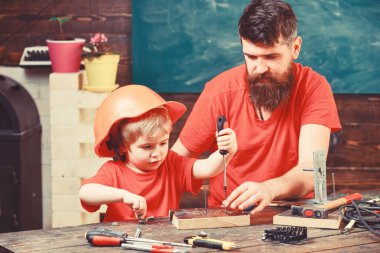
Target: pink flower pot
{"points": [[65, 55]]}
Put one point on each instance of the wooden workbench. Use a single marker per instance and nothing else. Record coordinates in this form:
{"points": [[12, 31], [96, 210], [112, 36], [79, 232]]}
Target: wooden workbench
{"points": [[71, 239]]}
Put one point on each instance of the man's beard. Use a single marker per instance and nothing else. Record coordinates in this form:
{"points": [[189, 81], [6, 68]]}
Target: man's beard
{"points": [[267, 90]]}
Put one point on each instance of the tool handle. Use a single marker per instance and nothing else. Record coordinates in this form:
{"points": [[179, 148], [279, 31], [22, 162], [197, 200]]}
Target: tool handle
{"points": [[104, 232], [210, 243], [341, 201], [99, 240], [220, 125], [354, 196]]}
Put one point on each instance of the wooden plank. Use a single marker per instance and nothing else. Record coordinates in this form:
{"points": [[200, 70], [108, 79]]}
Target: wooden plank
{"points": [[71, 239], [354, 179], [25, 23], [357, 145], [358, 108], [286, 218], [196, 218]]}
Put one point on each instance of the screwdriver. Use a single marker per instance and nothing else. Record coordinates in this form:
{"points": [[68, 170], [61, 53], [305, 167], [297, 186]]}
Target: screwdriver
{"points": [[106, 237], [210, 243], [99, 240], [154, 248], [104, 232], [220, 125]]}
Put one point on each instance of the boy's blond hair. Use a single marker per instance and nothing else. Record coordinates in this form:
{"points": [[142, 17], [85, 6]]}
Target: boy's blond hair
{"points": [[151, 123]]}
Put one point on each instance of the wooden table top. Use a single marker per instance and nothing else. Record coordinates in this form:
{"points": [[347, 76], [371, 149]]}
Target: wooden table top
{"points": [[249, 238]]}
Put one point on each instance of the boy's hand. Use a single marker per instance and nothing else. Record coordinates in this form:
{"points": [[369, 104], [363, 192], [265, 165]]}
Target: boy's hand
{"points": [[137, 203], [226, 140]]}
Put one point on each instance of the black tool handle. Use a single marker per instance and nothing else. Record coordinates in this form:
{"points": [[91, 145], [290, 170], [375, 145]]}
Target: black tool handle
{"points": [[220, 125], [207, 244], [104, 232]]}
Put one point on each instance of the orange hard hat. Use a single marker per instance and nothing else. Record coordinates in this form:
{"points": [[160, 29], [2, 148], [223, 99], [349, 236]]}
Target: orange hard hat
{"points": [[129, 101]]}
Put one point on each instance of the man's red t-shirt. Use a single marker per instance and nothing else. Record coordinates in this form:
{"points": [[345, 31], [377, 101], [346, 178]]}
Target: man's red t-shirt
{"points": [[266, 149], [162, 188]]}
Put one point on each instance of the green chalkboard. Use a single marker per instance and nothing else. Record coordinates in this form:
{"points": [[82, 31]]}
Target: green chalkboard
{"points": [[178, 45]]}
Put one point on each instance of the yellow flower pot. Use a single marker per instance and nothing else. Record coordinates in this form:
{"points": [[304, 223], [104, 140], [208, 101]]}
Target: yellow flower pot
{"points": [[101, 72]]}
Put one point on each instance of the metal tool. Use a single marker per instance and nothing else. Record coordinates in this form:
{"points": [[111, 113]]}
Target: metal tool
{"points": [[206, 242], [319, 169], [106, 237], [116, 241], [348, 227], [220, 125], [333, 184], [286, 234], [152, 218], [153, 248], [321, 212], [138, 233], [205, 191], [104, 232]]}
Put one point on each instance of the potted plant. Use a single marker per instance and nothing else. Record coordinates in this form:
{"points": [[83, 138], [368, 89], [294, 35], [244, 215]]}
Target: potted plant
{"points": [[64, 52], [100, 63]]}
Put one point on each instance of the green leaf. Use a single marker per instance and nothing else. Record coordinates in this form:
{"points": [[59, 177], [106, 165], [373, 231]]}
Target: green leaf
{"points": [[54, 19], [65, 19], [61, 20]]}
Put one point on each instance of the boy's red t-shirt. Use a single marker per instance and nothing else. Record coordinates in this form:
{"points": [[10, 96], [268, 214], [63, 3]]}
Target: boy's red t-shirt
{"points": [[162, 188], [266, 149]]}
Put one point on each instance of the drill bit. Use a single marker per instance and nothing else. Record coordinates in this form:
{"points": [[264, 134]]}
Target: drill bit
{"points": [[225, 181], [220, 125], [205, 191]]}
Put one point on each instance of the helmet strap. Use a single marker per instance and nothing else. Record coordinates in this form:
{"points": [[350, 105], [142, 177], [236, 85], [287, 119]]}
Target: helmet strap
{"points": [[111, 145]]}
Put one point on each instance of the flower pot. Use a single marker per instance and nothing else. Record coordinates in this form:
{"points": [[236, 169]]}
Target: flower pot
{"points": [[65, 55], [101, 72]]}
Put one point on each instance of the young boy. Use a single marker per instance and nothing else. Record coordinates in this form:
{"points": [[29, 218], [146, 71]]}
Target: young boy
{"points": [[145, 178]]}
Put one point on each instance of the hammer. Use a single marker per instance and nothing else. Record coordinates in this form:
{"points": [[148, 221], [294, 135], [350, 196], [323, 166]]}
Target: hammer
{"points": [[321, 212]]}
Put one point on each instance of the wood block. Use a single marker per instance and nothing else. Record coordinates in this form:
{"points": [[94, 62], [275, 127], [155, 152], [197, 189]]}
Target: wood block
{"points": [[286, 218], [196, 218], [266, 215]]}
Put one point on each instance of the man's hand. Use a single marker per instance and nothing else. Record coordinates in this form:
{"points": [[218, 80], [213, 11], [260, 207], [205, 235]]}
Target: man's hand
{"points": [[137, 203], [248, 194]]}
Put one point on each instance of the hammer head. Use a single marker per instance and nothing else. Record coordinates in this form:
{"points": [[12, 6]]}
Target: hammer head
{"points": [[309, 211]]}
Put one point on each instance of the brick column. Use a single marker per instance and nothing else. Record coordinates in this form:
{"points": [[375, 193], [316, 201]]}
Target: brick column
{"points": [[72, 112]]}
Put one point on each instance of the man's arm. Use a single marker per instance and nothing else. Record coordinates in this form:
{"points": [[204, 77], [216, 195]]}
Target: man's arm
{"points": [[293, 184], [180, 149]]}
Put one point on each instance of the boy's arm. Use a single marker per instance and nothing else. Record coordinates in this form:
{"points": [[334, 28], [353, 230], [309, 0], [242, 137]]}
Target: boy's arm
{"points": [[98, 194], [213, 165]]}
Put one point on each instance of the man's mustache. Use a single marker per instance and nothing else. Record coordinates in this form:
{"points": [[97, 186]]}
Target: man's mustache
{"points": [[266, 77]]}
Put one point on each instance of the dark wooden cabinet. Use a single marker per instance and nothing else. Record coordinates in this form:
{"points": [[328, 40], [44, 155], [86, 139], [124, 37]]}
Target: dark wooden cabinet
{"points": [[20, 159]]}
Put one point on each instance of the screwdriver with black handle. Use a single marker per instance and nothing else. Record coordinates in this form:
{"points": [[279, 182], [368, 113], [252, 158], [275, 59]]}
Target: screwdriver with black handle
{"points": [[105, 237], [220, 125], [104, 232]]}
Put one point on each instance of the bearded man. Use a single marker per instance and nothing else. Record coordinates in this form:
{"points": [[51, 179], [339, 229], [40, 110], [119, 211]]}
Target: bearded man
{"points": [[281, 112]]}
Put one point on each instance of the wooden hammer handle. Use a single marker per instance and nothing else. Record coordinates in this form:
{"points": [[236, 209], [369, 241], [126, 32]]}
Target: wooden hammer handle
{"points": [[341, 201]]}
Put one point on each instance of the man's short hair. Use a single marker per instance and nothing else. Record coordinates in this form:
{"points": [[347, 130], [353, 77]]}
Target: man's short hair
{"points": [[266, 21]]}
